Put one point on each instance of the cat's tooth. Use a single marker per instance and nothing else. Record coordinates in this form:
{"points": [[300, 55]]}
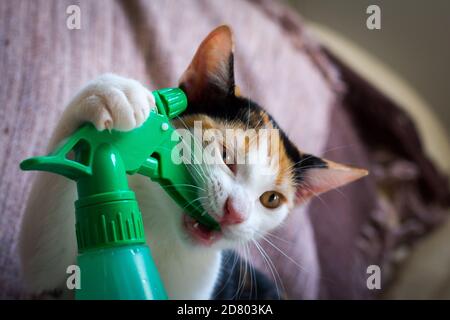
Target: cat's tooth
{"points": [[196, 225]]}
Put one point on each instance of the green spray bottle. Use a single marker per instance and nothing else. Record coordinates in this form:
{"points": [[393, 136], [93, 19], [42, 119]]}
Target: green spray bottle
{"points": [[114, 261]]}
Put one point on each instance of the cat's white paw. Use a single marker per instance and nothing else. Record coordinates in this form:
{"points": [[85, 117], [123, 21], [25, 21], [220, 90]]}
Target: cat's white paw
{"points": [[113, 102]]}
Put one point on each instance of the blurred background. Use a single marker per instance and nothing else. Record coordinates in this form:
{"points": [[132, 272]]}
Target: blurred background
{"points": [[409, 57], [408, 60]]}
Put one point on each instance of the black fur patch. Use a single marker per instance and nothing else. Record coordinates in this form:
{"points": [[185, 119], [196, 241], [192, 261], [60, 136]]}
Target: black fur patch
{"points": [[306, 162]]}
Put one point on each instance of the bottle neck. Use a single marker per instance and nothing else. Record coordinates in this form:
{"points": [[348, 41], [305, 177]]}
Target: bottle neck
{"points": [[107, 213]]}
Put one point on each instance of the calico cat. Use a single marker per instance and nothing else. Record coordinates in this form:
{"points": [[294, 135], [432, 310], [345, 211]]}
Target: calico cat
{"points": [[248, 200]]}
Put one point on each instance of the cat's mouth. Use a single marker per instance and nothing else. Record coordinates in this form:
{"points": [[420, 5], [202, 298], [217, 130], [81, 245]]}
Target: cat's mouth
{"points": [[200, 232]]}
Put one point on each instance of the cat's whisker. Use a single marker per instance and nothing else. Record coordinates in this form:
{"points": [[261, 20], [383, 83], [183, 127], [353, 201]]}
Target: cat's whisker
{"points": [[248, 267], [235, 259], [176, 185], [268, 263], [252, 273], [192, 201], [193, 168], [260, 250], [263, 236], [256, 136], [196, 167], [329, 280], [278, 238], [195, 173], [338, 147], [341, 193], [271, 235], [284, 254], [196, 143], [245, 257], [303, 199], [240, 276], [202, 166], [245, 263], [244, 280], [275, 269], [259, 122], [252, 270], [248, 115]]}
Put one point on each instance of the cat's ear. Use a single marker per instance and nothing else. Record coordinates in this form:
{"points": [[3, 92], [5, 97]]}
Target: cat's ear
{"points": [[211, 70], [321, 175]]}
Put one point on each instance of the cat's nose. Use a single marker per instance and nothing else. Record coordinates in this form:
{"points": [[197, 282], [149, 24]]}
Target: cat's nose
{"points": [[231, 213]]}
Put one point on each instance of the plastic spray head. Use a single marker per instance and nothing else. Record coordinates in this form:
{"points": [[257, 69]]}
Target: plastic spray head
{"points": [[103, 158]]}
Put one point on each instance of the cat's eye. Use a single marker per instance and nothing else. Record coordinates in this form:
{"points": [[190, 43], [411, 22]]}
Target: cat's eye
{"points": [[271, 199], [226, 156], [228, 159]]}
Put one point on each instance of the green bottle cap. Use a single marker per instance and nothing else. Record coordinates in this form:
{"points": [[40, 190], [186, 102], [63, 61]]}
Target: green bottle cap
{"points": [[174, 101]]}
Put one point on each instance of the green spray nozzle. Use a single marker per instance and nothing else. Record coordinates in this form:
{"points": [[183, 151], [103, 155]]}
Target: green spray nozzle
{"points": [[101, 160]]}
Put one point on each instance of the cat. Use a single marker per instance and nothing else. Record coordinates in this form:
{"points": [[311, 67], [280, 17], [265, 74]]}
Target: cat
{"points": [[248, 200]]}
